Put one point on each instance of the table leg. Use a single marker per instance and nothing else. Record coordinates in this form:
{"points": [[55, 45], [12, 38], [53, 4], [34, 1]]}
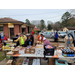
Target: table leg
{"points": [[5, 53]]}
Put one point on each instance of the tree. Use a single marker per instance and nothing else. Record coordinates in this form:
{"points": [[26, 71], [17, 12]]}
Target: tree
{"points": [[65, 18], [27, 21], [49, 27], [42, 25]]}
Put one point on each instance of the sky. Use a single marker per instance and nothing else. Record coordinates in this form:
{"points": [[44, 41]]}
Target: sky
{"points": [[33, 14]]}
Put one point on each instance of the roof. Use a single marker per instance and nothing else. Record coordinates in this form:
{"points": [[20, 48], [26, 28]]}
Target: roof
{"points": [[36, 29], [9, 20], [28, 25], [71, 28]]}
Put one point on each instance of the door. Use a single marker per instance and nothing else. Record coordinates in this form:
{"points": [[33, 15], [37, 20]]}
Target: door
{"points": [[11, 33]]}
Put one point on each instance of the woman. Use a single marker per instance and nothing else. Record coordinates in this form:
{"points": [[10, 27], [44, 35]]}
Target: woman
{"points": [[68, 40], [22, 40], [0, 39], [56, 37]]}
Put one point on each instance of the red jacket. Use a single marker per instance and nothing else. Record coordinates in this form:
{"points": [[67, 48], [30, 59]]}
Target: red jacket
{"points": [[5, 38], [32, 32], [1, 41]]}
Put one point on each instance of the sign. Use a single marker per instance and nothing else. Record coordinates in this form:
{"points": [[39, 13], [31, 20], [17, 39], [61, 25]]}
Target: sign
{"points": [[2, 35]]}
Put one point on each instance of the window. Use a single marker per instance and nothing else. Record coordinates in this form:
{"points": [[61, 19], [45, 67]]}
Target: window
{"points": [[1, 28]]}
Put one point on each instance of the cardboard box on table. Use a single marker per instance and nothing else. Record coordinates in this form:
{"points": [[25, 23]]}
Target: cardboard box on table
{"points": [[73, 48], [22, 50], [27, 51], [10, 53], [61, 46], [16, 50]]}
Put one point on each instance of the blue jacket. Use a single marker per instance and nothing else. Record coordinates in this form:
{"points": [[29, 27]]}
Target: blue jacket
{"points": [[56, 36]]}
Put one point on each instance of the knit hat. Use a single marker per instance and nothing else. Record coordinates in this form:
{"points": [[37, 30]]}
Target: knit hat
{"points": [[44, 38]]}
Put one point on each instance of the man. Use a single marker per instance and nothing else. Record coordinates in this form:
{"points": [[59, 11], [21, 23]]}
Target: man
{"points": [[22, 40], [56, 37], [40, 37]]}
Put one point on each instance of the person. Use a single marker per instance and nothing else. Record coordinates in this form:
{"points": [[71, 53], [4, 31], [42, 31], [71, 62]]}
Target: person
{"points": [[68, 40], [22, 40], [32, 32], [40, 37], [73, 39], [28, 40], [56, 37], [0, 39], [32, 39], [5, 38], [46, 42]]}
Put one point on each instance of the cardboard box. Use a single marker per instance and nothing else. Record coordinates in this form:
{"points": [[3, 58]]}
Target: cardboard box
{"points": [[73, 48], [38, 42], [15, 51], [19, 61], [27, 51], [32, 51], [22, 50], [51, 61], [61, 46], [9, 62], [10, 53]]}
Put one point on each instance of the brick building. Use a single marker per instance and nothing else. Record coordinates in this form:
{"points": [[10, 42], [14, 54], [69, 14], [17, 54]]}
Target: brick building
{"points": [[11, 27]]}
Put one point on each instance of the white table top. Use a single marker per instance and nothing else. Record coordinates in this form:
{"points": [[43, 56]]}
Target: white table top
{"points": [[30, 55], [58, 57]]}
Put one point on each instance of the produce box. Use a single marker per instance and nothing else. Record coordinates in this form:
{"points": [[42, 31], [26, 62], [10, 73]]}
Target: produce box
{"points": [[22, 50], [10, 53], [27, 51], [51, 61], [9, 62], [61, 46], [19, 61], [15, 51], [38, 42], [73, 48], [32, 51]]}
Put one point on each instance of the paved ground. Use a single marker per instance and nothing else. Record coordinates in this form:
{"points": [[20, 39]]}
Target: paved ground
{"points": [[45, 62]]}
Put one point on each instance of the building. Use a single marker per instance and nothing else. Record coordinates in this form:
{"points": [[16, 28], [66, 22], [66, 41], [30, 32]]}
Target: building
{"points": [[68, 28], [11, 27], [65, 29]]}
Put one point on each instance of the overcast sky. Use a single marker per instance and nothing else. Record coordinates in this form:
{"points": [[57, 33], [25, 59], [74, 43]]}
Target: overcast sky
{"points": [[33, 14]]}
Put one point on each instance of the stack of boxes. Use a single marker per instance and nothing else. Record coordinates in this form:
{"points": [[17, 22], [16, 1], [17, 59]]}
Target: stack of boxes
{"points": [[39, 50]]}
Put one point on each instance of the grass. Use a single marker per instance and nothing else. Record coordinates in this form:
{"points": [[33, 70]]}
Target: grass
{"points": [[49, 30], [2, 56]]}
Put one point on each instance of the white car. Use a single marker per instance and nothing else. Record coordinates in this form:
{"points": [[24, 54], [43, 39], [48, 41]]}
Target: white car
{"points": [[62, 34]]}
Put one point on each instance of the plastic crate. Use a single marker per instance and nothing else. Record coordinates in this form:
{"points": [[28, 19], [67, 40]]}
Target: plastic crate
{"points": [[60, 62]]}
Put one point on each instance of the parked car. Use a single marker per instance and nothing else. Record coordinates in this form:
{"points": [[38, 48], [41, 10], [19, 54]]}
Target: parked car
{"points": [[47, 34], [62, 34]]}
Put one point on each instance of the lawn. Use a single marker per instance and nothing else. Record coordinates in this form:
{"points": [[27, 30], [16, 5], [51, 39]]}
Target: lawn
{"points": [[2, 56]]}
